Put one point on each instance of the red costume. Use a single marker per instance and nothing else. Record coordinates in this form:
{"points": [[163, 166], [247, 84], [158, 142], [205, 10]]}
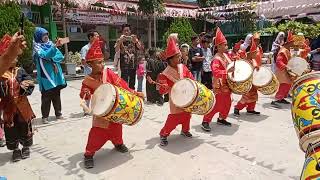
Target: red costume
{"points": [[234, 53], [249, 100], [281, 72], [168, 77], [102, 130], [220, 85]]}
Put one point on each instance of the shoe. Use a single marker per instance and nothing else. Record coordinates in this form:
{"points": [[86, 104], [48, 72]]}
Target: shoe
{"points": [[253, 112], [236, 112], [88, 162], [159, 103], [276, 104], [223, 122], [2, 143], [16, 155], [163, 141], [60, 117], [45, 121], [86, 114], [283, 101], [186, 134], [25, 153], [205, 126], [122, 148]]}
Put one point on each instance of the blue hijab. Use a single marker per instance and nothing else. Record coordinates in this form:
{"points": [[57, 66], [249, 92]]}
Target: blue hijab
{"points": [[37, 40]]}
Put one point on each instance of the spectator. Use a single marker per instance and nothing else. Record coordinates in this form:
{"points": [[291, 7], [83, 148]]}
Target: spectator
{"points": [[128, 45], [92, 35], [196, 58], [315, 60], [154, 67], [202, 36], [278, 42], [48, 58], [206, 68], [184, 48], [140, 72]]}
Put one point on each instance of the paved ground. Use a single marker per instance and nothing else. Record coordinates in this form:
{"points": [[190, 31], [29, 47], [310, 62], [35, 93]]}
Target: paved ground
{"points": [[257, 148]]}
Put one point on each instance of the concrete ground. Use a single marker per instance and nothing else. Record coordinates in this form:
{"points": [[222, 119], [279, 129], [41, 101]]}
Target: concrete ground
{"points": [[256, 147]]}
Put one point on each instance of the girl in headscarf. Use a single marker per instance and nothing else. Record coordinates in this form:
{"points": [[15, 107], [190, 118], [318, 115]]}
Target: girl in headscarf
{"points": [[245, 45], [48, 58], [279, 41]]}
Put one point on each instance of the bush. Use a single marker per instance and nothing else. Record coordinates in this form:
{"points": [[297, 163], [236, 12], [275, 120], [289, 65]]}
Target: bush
{"points": [[183, 28], [9, 23]]}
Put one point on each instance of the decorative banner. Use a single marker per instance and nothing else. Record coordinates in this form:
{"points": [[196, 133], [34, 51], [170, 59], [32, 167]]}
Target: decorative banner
{"points": [[88, 17]]}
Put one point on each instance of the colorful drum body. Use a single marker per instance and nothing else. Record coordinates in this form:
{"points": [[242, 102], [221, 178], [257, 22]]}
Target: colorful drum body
{"points": [[240, 81], [305, 108], [117, 105], [192, 96], [311, 167], [265, 81]]}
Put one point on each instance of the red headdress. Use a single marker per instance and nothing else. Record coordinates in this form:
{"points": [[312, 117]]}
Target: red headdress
{"points": [[220, 39], [94, 53], [290, 37], [172, 48]]}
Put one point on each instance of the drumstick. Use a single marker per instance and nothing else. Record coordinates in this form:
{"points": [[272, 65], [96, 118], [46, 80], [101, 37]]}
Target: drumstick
{"points": [[234, 68]]}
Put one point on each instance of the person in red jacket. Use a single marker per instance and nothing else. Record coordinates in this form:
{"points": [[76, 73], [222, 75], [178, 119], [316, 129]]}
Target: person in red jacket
{"points": [[165, 81], [259, 52], [250, 99], [220, 86], [102, 130], [234, 53], [282, 72]]}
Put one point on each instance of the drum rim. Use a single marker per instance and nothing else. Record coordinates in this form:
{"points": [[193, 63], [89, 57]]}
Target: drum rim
{"points": [[268, 82], [193, 98], [114, 100], [243, 80], [304, 77], [304, 139]]}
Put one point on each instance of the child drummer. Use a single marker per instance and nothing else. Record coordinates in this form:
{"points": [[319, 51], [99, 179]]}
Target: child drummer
{"points": [[16, 110], [250, 99], [220, 86], [102, 130], [166, 80]]}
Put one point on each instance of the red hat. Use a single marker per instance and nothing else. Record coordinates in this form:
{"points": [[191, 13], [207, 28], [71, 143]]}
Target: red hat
{"points": [[290, 37], [172, 49], [94, 53], [238, 44], [220, 39], [4, 43], [253, 47]]}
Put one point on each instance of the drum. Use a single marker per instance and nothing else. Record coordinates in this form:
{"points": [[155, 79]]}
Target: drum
{"points": [[240, 82], [192, 96], [265, 81], [298, 66], [311, 167], [305, 108], [116, 105]]}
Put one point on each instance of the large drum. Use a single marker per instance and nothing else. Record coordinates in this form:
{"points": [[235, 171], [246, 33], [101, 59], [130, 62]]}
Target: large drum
{"points": [[265, 81], [311, 167], [298, 66], [240, 81], [192, 96], [305, 108], [116, 104]]}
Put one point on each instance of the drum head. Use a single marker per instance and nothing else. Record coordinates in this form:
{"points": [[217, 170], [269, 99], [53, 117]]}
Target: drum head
{"points": [[243, 71], [298, 65], [262, 77], [183, 93], [103, 100]]}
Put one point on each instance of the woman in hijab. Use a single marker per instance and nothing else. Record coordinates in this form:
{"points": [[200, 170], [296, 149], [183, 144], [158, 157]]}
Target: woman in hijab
{"points": [[244, 46], [279, 41], [48, 58]]}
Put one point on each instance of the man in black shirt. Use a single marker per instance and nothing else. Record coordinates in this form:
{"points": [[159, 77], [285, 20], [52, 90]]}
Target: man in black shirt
{"points": [[196, 57], [128, 45]]}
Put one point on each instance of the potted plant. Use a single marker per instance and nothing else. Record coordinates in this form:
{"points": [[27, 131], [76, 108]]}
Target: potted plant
{"points": [[74, 59]]}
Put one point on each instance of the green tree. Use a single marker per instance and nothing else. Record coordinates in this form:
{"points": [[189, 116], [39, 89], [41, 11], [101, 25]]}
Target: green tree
{"points": [[9, 23], [183, 28], [211, 3], [149, 8]]}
